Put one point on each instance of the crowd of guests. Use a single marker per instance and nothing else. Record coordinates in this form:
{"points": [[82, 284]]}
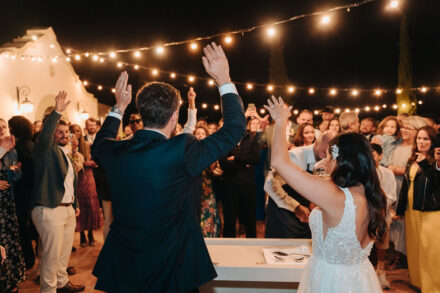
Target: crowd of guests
{"points": [[46, 169]]}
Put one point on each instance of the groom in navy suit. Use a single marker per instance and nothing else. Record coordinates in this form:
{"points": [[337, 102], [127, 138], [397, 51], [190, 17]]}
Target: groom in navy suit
{"points": [[155, 242]]}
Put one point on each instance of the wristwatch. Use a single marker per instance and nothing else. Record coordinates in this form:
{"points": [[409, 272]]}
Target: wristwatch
{"points": [[115, 109]]}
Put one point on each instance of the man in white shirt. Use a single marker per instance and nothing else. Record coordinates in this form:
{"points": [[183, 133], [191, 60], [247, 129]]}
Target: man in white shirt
{"points": [[287, 212], [388, 184]]}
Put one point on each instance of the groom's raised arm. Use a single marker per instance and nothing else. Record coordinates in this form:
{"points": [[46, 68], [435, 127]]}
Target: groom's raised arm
{"points": [[199, 155], [111, 124]]}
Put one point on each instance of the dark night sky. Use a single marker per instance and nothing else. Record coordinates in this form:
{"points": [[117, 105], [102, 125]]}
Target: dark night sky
{"points": [[360, 50]]}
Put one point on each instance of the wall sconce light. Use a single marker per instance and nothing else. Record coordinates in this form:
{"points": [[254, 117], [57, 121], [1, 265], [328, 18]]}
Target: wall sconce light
{"points": [[25, 105], [83, 114]]}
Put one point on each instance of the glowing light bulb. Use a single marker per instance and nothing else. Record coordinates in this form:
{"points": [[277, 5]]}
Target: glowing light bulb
{"points": [[384, 106], [77, 57], [394, 106], [216, 107], [271, 32], [40, 59], [291, 89], [424, 89], [211, 82], [249, 86], [420, 102], [204, 106], [119, 64], [101, 60], [155, 72], [112, 55], [228, 40], [193, 46], [191, 78], [87, 54], [173, 75], [398, 91], [347, 110], [54, 59], [325, 19], [99, 87], [270, 88], [95, 57], [295, 112], [85, 82], [34, 38], [311, 91], [333, 92], [68, 51], [113, 90], [316, 112], [262, 110], [357, 110], [137, 54], [337, 111], [367, 108], [136, 67], [377, 92], [355, 93], [13, 57], [403, 105], [413, 104], [160, 50], [394, 4], [376, 108], [67, 59]]}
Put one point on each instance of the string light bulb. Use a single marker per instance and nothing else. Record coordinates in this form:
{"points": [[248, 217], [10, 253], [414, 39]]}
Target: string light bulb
{"points": [[357, 110], [173, 75], [376, 108], [191, 78], [216, 107], [228, 40], [249, 86], [394, 4], [262, 111], [160, 50], [77, 57], [424, 89], [337, 111], [54, 59], [112, 55], [354, 93], [316, 112], [333, 92], [137, 54], [378, 92], [99, 87], [325, 19], [87, 54], [291, 89], [347, 110], [394, 106], [211, 82], [204, 106], [101, 60], [95, 57], [311, 91], [85, 82], [119, 64], [420, 102], [113, 90], [270, 88], [367, 108], [384, 106], [136, 67], [155, 72], [398, 91], [67, 59], [68, 51], [295, 112], [193, 46], [271, 32]]}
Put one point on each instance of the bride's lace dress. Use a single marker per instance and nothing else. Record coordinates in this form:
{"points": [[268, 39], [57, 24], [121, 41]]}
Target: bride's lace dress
{"points": [[339, 264]]}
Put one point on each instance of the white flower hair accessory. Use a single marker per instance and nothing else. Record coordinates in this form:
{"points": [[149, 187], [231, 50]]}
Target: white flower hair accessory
{"points": [[335, 151]]}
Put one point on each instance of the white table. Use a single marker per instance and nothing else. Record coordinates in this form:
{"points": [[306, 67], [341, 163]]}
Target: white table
{"points": [[241, 268]]}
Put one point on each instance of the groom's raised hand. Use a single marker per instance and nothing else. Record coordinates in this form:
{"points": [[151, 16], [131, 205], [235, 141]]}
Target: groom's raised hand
{"points": [[123, 92], [216, 64]]}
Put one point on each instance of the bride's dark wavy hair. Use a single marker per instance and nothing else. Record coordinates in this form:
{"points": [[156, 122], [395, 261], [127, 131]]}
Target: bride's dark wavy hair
{"points": [[355, 165]]}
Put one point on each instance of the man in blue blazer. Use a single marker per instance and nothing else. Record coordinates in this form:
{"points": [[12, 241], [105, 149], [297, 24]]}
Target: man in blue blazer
{"points": [[155, 242]]}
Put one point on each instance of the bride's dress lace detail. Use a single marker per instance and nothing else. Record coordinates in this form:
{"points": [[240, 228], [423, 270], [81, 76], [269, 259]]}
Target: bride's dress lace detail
{"points": [[339, 263]]}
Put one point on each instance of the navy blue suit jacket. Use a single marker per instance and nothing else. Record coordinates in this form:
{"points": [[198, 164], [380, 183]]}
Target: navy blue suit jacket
{"points": [[155, 242]]}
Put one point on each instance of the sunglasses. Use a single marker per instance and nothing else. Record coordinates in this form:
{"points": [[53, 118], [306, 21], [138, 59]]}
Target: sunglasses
{"points": [[135, 121]]}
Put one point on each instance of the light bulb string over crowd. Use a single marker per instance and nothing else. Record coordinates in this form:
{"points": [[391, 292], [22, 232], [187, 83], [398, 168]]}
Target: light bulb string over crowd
{"points": [[262, 111]]}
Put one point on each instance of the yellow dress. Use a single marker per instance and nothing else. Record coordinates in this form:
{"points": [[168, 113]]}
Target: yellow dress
{"points": [[422, 243]]}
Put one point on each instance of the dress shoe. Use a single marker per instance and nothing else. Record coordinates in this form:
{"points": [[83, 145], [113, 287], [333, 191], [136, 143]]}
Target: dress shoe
{"points": [[69, 287]]}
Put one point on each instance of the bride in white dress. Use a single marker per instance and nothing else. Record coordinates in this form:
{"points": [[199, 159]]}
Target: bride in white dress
{"points": [[350, 213]]}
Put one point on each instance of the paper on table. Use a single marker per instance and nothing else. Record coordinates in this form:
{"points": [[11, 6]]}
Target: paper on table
{"points": [[288, 256]]}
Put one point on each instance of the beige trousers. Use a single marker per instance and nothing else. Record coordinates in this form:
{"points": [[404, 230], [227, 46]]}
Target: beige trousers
{"points": [[56, 227], [108, 216]]}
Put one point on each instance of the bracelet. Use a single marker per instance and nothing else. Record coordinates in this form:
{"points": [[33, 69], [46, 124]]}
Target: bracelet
{"points": [[115, 109]]}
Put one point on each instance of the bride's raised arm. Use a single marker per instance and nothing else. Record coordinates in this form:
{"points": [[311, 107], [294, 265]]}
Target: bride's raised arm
{"points": [[323, 193]]}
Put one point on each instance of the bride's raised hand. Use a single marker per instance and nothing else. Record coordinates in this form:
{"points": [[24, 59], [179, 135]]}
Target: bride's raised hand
{"points": [[278, 110]]}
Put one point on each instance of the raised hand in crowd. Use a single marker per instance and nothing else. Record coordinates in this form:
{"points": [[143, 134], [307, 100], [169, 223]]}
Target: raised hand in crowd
{"points": [[60, 102], [123, 91], [7, 142], [216, 64], [279, 114], [191, 98], [2, 254]]}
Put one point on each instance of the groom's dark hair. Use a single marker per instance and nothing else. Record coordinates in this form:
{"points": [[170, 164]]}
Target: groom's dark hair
{"points": [[156, 102]]}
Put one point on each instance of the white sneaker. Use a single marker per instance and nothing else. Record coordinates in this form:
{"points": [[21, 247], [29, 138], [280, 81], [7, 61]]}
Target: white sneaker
{"points": [[383, 280]]}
